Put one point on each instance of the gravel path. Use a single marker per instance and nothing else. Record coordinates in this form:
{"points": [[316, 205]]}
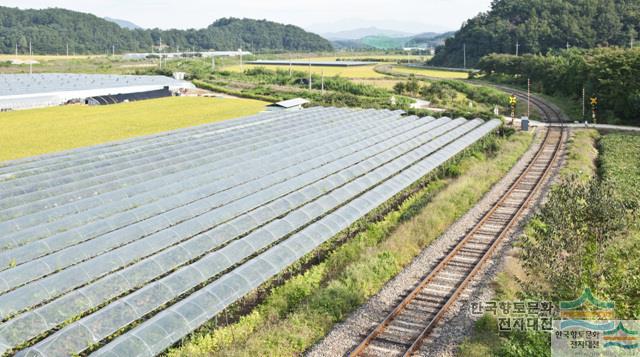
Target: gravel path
{"points": [[457, 323]]}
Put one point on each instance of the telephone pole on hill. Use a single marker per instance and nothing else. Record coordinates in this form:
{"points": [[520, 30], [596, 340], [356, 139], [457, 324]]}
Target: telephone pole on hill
{"points": [[517, 48], [309, 74], [529, 98], [30, 59], [464, 54], [584, 99]]}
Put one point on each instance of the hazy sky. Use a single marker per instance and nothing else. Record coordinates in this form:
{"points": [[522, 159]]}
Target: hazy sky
{"points": [[317, 15]]}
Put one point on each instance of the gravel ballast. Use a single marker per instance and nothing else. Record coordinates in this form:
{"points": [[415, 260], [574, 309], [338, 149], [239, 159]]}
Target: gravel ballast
{"points": [[458, 322]]}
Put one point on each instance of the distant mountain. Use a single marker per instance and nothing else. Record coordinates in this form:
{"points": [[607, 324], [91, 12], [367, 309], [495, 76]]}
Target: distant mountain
{"points": [[429, 39], [50, 30], [359, 33], [123, 23], [406, 26], [424, 40]]}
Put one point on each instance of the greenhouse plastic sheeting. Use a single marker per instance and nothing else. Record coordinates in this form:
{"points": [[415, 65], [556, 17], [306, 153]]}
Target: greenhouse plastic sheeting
{"points": [[135, 260]]}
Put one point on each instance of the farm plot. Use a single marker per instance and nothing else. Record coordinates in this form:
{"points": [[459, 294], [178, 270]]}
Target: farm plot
{"points": [[435, 73], [123, 249], [347, 72], [42, 131]]}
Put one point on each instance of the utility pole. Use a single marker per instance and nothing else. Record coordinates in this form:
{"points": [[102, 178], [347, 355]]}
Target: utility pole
{"points": [[322, 86], [309, 74], [113, 50], [529, 98], [567, 45], [160, 52], [240, 50], [584, 99], [464, 53], [16, 49], [67, 49], [30, 59], [213, 63], [517, 48]]}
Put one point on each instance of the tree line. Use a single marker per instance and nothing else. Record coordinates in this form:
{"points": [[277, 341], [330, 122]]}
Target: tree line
{"points": [[610, 74], [51, 30], [538, 26]]}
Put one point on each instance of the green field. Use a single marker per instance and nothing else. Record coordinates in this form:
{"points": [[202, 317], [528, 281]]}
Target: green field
{"points": [[620, 164], [39, 131], [380, 83]]}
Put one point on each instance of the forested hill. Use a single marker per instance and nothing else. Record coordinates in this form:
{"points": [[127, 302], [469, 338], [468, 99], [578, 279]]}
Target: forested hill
{"points": [[541, 25], [50, 30]]}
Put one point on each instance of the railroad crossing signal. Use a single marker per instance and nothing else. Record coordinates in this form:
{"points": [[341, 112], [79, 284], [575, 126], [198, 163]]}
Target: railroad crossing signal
{"points": [[594, 108], [513, 100]]}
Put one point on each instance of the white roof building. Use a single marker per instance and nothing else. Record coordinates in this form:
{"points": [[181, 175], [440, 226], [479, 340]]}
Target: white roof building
{"points": [[24, 91], [291, 104]]}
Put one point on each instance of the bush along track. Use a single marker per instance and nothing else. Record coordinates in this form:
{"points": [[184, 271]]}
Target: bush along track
{"points": [[587, 235], [296, 309]]}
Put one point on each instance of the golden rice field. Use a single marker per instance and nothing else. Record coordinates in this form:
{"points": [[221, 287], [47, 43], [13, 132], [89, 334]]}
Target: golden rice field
{"points": [[347, 72], [39, 131], [435, 73], [386, 58]]}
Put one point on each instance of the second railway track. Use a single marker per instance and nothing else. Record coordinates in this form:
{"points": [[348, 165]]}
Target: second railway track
{"points": [[413, 320]]}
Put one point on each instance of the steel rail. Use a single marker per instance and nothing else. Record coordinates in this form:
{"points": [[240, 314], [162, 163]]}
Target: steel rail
{"points": [[548, 142]]}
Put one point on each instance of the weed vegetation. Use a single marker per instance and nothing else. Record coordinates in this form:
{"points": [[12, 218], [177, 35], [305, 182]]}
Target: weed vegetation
{"points": [[587, 235]]}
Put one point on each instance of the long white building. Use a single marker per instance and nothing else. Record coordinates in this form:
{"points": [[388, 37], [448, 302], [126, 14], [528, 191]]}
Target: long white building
{"points": [[25, 91]]}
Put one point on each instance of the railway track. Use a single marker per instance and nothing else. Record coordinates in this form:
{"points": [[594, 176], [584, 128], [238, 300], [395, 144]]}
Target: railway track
{"points": [[549, 112], [404, 331]]}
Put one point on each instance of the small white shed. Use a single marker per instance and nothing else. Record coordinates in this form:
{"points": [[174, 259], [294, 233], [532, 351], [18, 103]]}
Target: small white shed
{"points": [[291, 104]]}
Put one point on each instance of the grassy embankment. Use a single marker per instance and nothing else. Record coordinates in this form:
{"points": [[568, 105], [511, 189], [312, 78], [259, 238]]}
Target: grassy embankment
{"points": [[591, 223], [297, 314], [39, 131]]}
